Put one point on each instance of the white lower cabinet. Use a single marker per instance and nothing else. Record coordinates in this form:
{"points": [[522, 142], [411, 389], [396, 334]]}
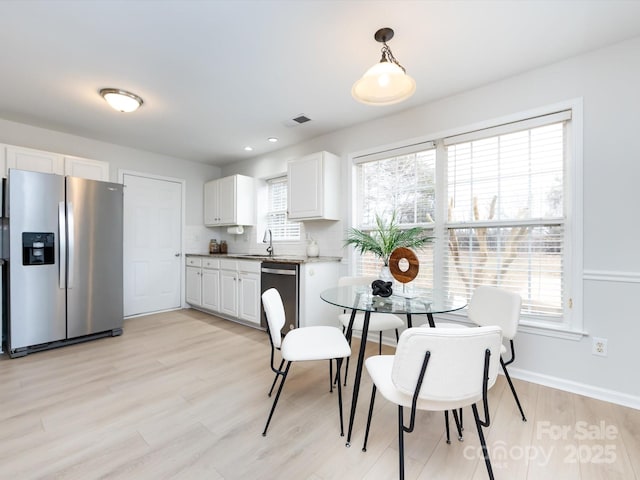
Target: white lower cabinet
{"points": [[202, 280], [225, 286], [193, 289], [211, 288], [229, 292], [249, 297]]}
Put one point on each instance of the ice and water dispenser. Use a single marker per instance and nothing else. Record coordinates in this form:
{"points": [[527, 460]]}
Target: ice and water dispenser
{"points": [[38, 248]]}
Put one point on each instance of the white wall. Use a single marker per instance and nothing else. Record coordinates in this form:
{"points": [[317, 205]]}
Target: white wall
{"points": [[607, 80], [119, 157]]}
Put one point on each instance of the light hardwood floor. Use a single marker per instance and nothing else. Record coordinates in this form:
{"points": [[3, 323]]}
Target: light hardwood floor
{"points": [[183, 395]]}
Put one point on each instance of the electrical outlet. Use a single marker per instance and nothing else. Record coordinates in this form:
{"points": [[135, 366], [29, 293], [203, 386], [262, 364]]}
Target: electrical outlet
{"points": [[599, 346]]}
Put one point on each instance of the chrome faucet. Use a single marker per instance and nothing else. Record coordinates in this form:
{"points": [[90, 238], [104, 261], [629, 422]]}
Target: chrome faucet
{"points": [[267, 232]]}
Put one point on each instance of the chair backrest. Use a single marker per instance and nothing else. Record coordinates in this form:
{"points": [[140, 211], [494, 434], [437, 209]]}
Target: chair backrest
{"points": [[348, 281], [455, 371], [496, 306], [274, 311]]}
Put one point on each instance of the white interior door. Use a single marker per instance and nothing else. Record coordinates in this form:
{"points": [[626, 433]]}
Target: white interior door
{"points": [[152, 244]]}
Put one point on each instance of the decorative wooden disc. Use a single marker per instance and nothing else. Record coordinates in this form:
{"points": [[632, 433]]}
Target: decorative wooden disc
{"points": [[403, 276]]}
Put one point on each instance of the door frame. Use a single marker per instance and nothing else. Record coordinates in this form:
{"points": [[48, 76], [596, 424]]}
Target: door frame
{"points": [[183, 212]]}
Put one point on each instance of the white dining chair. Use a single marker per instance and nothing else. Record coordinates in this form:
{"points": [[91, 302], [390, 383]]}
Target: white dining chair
{"points": [[496, 306], [378, 322], [301, 344], [437, 369]]}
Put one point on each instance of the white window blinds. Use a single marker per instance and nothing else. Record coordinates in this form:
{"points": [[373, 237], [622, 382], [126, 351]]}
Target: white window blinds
{"points": [[404, 183], [501, 216], [506, 216], [281, 228]]}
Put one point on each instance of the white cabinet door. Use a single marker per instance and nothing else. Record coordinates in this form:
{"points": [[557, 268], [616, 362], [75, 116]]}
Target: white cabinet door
{"points": [[249, 297], [211, 216], [305, 187], [313, 184], [210, 289], [34, 160], [193, 288], [86, 168], [229, 292], [227, 200]]}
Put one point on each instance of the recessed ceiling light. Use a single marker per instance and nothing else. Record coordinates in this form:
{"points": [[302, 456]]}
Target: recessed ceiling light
{"points": [[121, 100], [248, 148], [272, 139]]}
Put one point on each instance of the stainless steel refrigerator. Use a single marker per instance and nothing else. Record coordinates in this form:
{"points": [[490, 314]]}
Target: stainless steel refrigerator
{"points": [[65, 260]]}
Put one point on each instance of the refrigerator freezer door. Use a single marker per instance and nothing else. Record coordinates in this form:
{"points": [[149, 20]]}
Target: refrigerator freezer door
{"points": [[36, 301], [94, 279]]}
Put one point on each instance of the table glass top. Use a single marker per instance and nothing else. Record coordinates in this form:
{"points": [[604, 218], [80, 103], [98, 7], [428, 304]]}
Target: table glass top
{"points": [[419, 301]]}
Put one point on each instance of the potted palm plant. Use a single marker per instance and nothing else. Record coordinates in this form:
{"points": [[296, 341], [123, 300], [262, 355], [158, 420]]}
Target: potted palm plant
{"points": [[385, 238]]}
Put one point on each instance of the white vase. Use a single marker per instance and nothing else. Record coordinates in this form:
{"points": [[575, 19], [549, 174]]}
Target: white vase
{"points": [[385, 274]]}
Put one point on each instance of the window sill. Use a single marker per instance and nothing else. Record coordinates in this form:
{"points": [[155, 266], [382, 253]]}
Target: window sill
{"points": [[531, 327]]}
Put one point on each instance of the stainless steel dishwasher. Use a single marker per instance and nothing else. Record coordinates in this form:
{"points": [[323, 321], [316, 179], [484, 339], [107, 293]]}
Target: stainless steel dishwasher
{"points": [[284, 278]]}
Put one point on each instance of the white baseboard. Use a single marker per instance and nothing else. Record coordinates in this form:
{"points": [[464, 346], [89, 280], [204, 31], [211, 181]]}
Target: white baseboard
{"points": [[591, 391]]}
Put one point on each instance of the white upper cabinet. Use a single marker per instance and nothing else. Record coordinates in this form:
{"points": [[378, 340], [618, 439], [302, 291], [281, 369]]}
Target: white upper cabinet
{"points": [[86, 168], [314, 187], [34, 160], [47, 162], [230, 201]]}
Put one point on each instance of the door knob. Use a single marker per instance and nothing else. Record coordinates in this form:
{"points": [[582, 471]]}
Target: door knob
{"points": [[177, 254]]}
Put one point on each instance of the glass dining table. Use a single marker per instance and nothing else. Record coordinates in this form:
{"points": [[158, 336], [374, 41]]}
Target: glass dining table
{"points": [[358, 298]]}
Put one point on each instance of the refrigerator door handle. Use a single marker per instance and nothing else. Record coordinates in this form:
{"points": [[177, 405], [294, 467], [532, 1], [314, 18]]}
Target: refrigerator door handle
{"points": [[71, 246], [62, 246]]}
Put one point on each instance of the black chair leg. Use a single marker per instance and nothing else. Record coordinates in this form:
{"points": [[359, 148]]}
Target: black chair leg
{"points": [[380, 343], [331, 376], [275, 379], [513, 390], [401, 441], [338, 365], [457, 416], [275, 400], [446, 426], [366, 432], [485, 452]]}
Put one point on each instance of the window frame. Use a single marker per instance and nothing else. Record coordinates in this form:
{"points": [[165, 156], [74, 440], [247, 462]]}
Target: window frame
{"points": [[570, 324], [280, 179]]}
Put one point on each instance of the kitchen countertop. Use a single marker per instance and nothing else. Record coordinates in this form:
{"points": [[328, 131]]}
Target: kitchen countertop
{"points": [[267, 258]]}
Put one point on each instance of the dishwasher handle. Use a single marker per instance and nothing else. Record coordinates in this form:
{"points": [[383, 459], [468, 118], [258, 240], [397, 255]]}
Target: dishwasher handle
{"points": [[278, 271]]}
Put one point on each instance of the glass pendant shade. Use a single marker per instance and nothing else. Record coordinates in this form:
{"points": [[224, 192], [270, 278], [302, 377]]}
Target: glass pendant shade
{"points": [[383, 84], [121, 100]]}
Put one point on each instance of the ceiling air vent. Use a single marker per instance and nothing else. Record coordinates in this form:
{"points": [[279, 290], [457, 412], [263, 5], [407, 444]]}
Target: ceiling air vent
{"points": [[298, 120]]}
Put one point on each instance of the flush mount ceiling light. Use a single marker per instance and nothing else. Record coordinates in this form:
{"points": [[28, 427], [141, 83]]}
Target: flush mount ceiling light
{"points": [[386, 82], [121, 100]]}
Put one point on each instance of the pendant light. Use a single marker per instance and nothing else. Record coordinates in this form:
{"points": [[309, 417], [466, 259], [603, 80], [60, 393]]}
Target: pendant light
{"points": [[121, 100], [386, 82]]}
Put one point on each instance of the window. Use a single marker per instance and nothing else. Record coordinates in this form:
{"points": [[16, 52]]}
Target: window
{"points": [[281, 228], [496, 202], [405, 184]]}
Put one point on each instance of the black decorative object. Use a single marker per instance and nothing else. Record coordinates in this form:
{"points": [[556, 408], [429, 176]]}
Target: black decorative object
{"points": [[381, 288]]}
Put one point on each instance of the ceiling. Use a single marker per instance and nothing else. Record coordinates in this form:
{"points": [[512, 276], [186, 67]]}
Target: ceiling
{"points": [[216, 76]]}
